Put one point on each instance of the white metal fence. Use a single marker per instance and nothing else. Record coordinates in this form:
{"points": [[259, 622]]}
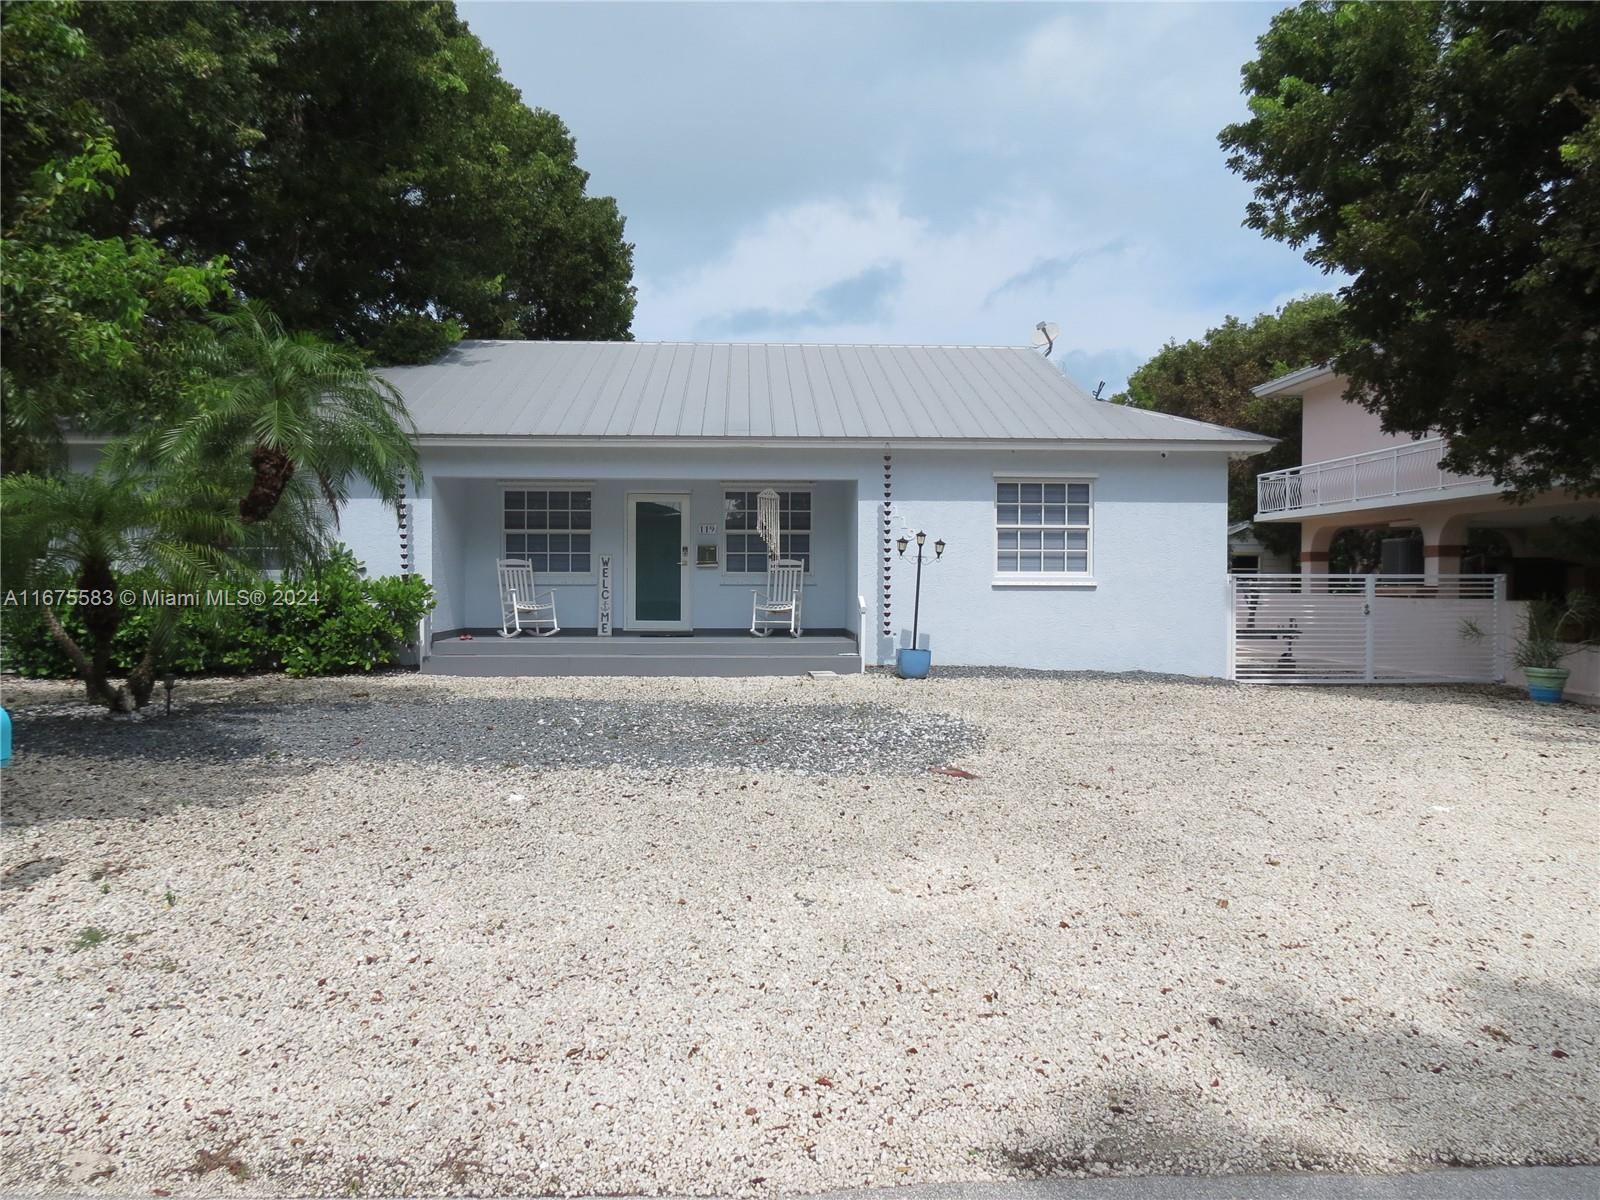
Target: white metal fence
{"points": [[1308, 628], [1402, 470]]}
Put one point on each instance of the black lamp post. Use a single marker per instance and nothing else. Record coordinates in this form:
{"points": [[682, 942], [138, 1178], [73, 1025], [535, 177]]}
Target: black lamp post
{"points": [[916, 602]]}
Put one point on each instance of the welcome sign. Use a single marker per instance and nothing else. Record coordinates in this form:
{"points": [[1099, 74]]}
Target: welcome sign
{"points": [[602, 623]]}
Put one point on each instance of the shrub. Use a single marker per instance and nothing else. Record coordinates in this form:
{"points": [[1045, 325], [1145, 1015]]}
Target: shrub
{"points": [[354, 624], [347, 623]]}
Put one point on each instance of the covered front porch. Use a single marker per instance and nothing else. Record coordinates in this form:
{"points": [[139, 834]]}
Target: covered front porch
{"points": [[642, 574]]}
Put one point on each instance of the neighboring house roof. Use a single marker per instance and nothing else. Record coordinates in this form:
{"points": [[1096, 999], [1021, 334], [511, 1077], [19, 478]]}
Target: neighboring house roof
{"points": [[773, 392], [1295, 382]]}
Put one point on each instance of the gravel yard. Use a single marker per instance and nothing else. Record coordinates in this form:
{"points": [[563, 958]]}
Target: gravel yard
{"points": [[365, 936]]}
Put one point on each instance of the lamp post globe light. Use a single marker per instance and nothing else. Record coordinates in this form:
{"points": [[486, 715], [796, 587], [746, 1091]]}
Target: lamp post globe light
{"points": [[913, 662]]}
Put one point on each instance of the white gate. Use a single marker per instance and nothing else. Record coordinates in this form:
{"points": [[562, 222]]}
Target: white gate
{"points": [[1308, 628]]}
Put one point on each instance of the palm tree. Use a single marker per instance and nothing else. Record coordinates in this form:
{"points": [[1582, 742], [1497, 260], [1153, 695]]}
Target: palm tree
{"points": [[91, 528], [282, 405]]}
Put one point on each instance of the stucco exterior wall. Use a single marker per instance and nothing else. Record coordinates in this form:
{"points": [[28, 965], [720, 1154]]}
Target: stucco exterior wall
{"points": [[447, 500], [366, 522], [1156, 602], [1332, 427]]}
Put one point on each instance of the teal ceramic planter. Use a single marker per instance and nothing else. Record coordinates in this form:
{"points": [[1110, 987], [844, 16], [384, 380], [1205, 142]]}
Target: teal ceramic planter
{"points": [[912, 664], [1545, 684]]}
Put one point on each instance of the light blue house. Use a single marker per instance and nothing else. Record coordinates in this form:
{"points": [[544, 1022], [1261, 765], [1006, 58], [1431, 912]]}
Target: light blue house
{"points": [[1080, 534]]}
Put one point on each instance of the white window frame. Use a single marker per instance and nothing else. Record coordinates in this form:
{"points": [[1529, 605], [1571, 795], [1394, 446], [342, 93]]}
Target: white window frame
{"points": [[745, 578], [1063, 578], [550, 485]]}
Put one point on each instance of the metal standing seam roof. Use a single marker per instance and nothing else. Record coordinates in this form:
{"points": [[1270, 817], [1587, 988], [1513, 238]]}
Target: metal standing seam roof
{"points": [[772, 391]]}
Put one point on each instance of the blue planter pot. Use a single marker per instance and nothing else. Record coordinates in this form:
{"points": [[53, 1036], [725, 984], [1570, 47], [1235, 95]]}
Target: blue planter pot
{"points": [[912, 664], [1545, 684]]}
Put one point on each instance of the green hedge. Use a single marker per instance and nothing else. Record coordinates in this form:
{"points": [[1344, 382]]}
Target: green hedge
{"points": [[352, 624]]}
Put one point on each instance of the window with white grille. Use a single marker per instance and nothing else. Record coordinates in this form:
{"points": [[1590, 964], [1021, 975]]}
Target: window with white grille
{"points": [[1043, 527], [745, 552], [551, 528]]}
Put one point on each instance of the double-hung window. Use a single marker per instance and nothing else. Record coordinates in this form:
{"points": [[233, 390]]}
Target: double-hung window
{"points": [[550, 528], [745, 553], [1043, 527]]}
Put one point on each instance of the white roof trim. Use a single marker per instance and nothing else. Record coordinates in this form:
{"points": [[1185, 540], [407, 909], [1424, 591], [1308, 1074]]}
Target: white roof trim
{"points": [[1295, 382]]}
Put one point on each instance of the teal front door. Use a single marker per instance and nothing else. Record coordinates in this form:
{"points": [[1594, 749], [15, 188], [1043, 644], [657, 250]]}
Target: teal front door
{"points": [[658, 558]]}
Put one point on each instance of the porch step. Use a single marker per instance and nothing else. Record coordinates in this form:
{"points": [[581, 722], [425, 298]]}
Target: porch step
{"points": [[489, 655]]}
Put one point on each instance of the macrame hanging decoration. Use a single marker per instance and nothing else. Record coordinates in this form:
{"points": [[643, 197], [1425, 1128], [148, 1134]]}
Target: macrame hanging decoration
{"points": [[767, 520]]}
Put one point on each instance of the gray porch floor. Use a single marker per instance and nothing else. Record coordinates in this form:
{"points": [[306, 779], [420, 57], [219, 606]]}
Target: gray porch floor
{"points": [[704, 653]]}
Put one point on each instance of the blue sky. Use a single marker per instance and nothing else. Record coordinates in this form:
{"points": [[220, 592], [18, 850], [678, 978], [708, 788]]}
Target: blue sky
{"points": [[914, 173]]}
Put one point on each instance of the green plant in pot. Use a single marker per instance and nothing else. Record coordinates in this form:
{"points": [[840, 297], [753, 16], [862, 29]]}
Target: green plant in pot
{"points": [[1553, 631]]}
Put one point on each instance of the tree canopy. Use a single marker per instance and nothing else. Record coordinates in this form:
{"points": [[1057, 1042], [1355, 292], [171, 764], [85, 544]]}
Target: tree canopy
{"points": [[1209, 379], [86, 321], [1447, 157], [364, 168]]}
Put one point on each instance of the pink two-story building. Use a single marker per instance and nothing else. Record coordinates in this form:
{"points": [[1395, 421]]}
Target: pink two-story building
{"points": [[1438, 524], [1354, 475]]}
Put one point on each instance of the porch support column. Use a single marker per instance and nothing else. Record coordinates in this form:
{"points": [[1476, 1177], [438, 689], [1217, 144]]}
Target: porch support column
{"points": [[1315, 541], [1444, 541], [1442, 560]]}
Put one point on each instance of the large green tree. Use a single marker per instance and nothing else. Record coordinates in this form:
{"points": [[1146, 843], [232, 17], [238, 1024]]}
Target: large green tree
{"points": [[1209, 379], [87, 322], [364, 167], [1446, 156]]}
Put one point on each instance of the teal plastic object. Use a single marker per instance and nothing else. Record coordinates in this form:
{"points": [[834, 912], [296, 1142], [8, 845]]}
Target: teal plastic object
{"points": [[912, 664], [5, 737]]}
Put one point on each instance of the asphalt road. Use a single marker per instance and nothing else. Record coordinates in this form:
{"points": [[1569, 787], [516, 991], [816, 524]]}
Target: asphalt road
{"points": [[1497, 1183]]}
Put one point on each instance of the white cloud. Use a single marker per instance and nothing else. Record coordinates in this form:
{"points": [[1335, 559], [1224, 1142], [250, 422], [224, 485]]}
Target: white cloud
{"points": [[1081, 56], [1107, 307]]}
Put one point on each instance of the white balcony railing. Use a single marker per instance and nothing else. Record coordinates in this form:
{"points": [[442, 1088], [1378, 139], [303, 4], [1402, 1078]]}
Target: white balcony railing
{"points": [[1407, 470]]}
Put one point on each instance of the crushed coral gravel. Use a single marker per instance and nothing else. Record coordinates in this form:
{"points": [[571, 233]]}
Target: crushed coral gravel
{"points": [[735, 936]]}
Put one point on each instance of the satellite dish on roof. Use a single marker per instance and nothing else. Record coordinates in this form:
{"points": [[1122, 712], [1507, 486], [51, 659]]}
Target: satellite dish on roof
{"points": [[1045, 334]]}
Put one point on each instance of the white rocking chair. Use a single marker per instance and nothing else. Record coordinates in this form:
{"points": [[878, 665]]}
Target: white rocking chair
{"points": [[520, 605], [779, 606]]}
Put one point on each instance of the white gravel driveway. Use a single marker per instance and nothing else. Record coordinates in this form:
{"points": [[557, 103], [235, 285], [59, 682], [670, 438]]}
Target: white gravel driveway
{"points": [[361, 943]]}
